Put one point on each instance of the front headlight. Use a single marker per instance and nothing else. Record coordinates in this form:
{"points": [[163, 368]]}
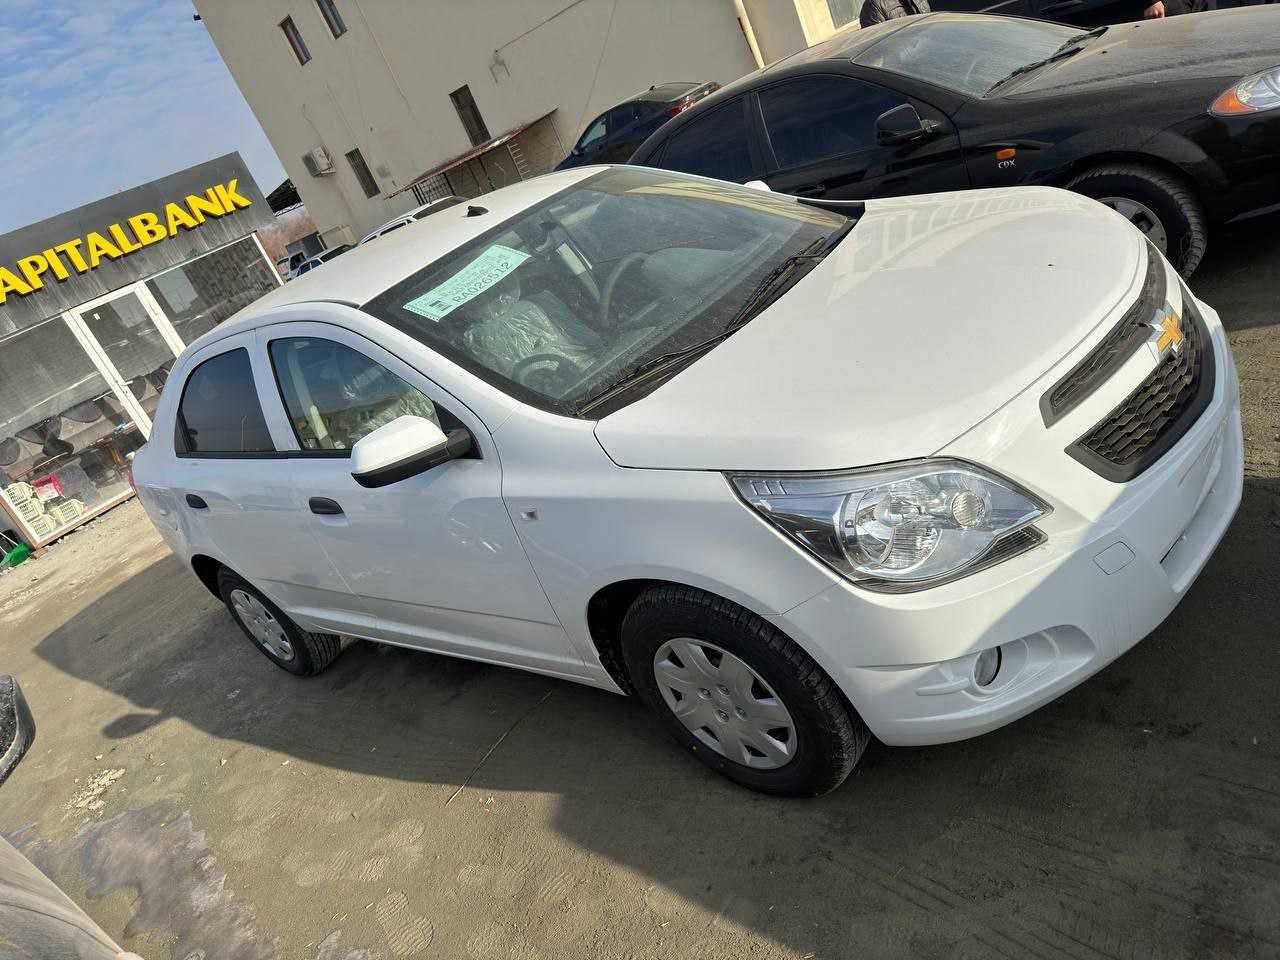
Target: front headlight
{"points": [[1250, 95], [898, 528]]}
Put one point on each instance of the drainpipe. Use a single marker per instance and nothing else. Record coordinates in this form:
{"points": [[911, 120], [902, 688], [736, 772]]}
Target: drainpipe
{"points": [[748, 34]]}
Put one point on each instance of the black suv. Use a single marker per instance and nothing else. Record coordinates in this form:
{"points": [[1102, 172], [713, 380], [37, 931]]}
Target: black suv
{"points": [[614, 135]]}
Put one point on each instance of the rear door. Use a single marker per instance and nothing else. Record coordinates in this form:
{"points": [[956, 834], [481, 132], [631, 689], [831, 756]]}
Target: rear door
{"points": [[820, 141], [435, 557], [234, 493]]}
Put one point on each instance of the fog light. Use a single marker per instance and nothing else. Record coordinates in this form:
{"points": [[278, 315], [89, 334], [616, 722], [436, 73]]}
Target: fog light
{"points": [[986, 666]]}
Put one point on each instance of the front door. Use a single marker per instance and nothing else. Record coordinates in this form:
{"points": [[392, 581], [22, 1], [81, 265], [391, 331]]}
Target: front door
{"points": [[434, 557], [822, 131]]}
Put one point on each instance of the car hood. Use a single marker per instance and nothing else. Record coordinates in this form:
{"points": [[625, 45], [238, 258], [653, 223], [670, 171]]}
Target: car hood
{"points": [[931, 314], [1221, 45]]}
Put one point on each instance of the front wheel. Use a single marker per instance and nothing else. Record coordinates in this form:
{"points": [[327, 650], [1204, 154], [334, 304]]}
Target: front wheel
{"points": [[1162, 207], [739, 694]]}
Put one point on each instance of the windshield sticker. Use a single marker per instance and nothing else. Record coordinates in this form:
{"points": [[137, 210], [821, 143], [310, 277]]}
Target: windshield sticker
{"points": [[472, 280]]}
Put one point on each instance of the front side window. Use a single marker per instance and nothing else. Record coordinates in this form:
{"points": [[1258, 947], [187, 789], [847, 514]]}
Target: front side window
{"points": [[818, 118], [335, 395], [566, 299], [219, 411], [713, 145], [966, 52]]}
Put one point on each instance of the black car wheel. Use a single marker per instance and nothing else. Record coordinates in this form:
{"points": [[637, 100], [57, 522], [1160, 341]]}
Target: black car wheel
{"points": [[740, 695], [1159, 205]]}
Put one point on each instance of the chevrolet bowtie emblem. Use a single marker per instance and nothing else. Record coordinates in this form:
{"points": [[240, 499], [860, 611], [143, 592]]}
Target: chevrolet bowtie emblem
{"points": [[1168, 336]]}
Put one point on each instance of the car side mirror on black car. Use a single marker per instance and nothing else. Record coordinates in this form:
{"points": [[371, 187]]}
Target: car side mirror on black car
{"points": [[901, 124], [17, 727]]}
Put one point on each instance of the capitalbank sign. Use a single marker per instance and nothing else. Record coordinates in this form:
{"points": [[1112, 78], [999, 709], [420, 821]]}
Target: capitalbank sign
{"points": [[72, 258]]}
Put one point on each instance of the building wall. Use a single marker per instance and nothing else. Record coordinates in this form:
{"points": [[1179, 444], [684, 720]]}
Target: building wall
{"points": [[384, 85]]}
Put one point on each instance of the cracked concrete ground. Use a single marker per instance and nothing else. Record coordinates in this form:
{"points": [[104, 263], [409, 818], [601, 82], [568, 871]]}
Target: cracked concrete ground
{"points": [[368, 812]]}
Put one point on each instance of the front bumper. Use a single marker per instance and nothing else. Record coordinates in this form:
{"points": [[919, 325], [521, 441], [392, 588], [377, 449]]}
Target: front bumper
{"points": [[1118, 559]]}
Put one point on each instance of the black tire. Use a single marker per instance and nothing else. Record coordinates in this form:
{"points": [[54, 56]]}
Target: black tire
{"points": [[1169, 198], [311, 652], [829, 735]]}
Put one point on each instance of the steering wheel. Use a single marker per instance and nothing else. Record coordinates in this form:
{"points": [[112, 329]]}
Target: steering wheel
{"points": [[562, 367], [606, 292]]}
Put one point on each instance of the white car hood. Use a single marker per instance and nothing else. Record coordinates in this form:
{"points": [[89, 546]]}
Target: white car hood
{"points": [[930, 315]]}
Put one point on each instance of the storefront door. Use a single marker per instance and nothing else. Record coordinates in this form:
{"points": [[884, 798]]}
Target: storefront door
{"points": [[77, 392]]}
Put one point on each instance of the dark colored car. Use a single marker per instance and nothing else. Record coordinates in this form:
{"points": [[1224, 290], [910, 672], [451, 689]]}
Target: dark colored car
{"points": [[614, 135], [1175, 123]]}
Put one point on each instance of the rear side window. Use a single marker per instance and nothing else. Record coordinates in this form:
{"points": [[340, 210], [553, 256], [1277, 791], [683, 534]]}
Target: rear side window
{"points": [[219, 411], [818, 118], [336, 395], [714, 145]]}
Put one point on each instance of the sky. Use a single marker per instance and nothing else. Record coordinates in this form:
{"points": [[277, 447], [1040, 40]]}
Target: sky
{"points": [[103, 95]]}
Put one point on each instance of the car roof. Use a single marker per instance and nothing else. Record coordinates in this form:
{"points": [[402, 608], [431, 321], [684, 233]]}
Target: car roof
{"points": [[666, 92], [843, 46], [367, 270], [405, 217]]}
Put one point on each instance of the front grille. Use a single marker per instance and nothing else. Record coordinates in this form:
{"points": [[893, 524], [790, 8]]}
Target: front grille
{"points": [[1154, 417], [1116, 347]]}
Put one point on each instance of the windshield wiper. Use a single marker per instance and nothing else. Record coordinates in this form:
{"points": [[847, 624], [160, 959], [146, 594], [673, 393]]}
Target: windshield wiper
{"points": [[1069, 48], [771, 285]]}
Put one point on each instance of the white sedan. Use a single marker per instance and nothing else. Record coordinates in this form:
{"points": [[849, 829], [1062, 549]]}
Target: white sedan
{"points": [[792, 473]]}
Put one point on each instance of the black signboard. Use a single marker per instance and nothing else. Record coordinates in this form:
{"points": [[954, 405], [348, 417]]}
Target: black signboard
{"points": [[76, 256]]}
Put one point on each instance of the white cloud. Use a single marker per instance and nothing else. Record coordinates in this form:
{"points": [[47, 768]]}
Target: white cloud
{"points": [[102, 97]]}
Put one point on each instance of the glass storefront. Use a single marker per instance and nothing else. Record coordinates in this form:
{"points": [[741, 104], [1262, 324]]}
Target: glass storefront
{"points": [[77, 392]]}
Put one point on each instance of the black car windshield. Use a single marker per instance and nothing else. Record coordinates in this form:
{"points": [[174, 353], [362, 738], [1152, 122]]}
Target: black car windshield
{"points": [[564, 300], [967, 53]]}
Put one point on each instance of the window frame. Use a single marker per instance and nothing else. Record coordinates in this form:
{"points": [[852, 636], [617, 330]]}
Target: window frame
{"points": [[182, 435], [775, 166], [332, 17], [304, 452], [364, 176], [315, 325], [293, 36], [464, 98], [756, 156]]}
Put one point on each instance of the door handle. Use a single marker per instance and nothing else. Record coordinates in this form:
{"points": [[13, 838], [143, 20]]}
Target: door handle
{"points": [[196, 503], [816, 190], [325, 507]]}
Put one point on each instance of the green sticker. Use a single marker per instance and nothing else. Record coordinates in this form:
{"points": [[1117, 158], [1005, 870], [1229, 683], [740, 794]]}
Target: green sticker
{"points": [[472, 280]]}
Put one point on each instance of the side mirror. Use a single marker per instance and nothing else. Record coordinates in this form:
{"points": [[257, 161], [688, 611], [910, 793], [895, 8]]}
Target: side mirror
{"points": [[901, 124], [404, 448], [17, 727], [758, 185]]}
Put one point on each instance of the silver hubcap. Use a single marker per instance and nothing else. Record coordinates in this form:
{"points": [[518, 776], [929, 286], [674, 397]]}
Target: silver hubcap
{"points": [[262, 625], [1142, 217], [724, 703]]}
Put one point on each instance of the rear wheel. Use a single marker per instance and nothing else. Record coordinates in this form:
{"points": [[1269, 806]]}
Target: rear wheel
{"points": [[739, 694], [281, 640], [1158, 204]]}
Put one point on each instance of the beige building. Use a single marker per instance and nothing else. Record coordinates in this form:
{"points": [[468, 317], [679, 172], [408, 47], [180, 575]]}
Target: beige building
{"points": [[375, 106]]}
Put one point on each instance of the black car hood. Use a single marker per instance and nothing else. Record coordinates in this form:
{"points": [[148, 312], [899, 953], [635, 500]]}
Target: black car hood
{"points": [[1220, 45]]}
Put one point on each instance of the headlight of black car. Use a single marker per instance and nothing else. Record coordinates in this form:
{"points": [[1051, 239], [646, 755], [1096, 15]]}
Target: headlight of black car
{"points": [[1251, 95]]}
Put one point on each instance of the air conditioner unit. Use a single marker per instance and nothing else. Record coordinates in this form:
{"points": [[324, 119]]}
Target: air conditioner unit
{"points": [[318, 162]]}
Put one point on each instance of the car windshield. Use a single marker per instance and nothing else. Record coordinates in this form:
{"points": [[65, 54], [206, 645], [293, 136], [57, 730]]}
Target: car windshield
{"points": [[970, 53], [571, 296]]}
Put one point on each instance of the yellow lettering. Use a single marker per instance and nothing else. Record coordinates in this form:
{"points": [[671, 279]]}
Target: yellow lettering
{"points": [[231, 200], [99, 247], [178, 217], [146, 227], [10, 282], [31, 268], [209, 204], [71, 249], [118, 235], [59, 270]]}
